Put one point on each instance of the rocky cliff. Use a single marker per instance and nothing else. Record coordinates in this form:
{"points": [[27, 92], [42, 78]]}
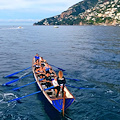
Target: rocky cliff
{"points": [[87, 12]]}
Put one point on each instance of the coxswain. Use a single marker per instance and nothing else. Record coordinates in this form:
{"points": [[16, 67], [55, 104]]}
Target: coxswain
{"points": [[61, 81]]}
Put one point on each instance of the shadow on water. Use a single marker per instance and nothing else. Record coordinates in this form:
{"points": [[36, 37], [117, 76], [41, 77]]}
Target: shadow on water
{"points": [[52, 113], [11, 77]]}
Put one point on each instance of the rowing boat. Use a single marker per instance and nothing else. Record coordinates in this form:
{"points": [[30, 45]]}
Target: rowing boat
{"points": [[60, 103]]}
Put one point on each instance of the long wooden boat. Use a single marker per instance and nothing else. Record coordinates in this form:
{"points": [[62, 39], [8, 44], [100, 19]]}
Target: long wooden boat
{"points": [[58, 102]]}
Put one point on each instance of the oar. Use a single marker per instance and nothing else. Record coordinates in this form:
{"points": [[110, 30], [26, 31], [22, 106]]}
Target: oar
{"points": [[63, 107], [75, 79], [57, 67], [72, 79], [29, 94], [79, 87], [15, 80], [16, 72], [27, 84]]}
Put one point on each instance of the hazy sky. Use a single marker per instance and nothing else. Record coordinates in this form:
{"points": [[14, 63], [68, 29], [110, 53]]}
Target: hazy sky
{"points": [[33, 9]]}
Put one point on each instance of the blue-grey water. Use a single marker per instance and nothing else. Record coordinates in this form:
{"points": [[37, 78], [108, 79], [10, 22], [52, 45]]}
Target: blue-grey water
{"points": [[88, 53]]}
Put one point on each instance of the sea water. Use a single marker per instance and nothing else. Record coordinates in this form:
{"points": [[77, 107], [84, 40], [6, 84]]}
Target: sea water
{"points": [[88, 53]]}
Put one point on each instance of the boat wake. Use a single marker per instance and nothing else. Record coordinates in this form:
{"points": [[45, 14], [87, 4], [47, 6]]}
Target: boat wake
{"points": [[25, 74], [4, 98], [11, 28], [67, 117]]}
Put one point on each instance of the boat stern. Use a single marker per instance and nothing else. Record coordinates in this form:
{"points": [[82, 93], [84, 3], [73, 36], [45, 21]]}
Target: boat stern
{"points": [[58, 104]]}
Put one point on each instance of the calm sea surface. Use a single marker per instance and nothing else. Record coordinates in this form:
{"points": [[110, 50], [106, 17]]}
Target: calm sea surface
{"points": [[88, 53]]}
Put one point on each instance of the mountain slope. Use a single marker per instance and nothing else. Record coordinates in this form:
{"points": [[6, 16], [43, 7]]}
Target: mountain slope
{"points": [[72, 11], [96, 12]]}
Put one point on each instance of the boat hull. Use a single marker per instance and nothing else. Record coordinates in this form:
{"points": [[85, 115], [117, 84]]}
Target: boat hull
{"points": [[57, 103]]}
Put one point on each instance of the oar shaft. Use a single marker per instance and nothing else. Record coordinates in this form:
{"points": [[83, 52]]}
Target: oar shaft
{"points": [[57, 67], [16, 72], [15, 80], [78, 87], [24, 96], [72, 79], [29, 94], [63, 107], [75, 79], [26, 85], [23, 86]]}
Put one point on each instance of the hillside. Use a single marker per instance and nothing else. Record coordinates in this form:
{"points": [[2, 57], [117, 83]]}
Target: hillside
{"points": [[87, 12]]}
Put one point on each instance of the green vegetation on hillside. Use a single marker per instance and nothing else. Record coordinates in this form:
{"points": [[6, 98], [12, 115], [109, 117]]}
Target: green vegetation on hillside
{"points": [[91, 12]]}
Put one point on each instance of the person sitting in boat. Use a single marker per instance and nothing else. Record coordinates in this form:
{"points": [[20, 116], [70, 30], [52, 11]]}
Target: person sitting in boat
{"points": [[40, 70], [42, 78], [61, 81], [36, 57], [42, 61], [52, 73], [47, 67], [56, 86], [36, 64], [48, 80]]}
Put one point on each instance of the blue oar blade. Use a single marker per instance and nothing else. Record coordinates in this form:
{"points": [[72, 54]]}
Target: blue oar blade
{"points": [[16, 72], [29, 94], [15, 80], [10, 82]]}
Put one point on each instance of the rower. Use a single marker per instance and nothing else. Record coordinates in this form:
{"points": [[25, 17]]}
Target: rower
{"points": [[61, 81], [42, 77], [36, 57], [40, 71], [56, 86], [42, 61], [36, 64], [47, 67], [52, 73], [48, 80]]}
